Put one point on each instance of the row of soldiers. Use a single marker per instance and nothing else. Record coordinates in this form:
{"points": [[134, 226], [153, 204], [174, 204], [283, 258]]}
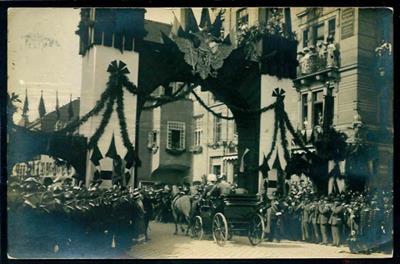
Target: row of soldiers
{"points": [[59, 217], [362, 221]]}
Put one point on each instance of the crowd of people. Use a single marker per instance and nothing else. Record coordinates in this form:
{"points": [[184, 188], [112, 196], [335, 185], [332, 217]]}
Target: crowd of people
{"points": [[361, 220], [67, 219]]}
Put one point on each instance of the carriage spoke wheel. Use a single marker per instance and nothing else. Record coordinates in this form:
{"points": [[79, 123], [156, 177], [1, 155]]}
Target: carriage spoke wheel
{"points": [[197, 230], [220, 229], [256, 230]]}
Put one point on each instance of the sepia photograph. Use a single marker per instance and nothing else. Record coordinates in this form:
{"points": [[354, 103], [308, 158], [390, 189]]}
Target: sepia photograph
{"points": [[199, 133]]}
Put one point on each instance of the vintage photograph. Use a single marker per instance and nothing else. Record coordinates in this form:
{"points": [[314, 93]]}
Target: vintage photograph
{"points": [[200, 133]]}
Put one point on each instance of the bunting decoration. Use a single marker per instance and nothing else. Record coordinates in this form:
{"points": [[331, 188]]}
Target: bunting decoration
{"points": [[205, 21], [42, 108], [176, 29], [96, 156], [129, 158], [112, 150], [191, 23], [264, 168]]}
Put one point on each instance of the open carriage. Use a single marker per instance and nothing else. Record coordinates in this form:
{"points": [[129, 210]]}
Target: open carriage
{"points": [[229, 215]]}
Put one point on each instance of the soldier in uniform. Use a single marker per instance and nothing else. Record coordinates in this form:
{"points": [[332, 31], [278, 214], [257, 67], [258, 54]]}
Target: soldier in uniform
{"points": [[275, 212], [314, 211], [305, 216], [324, 213], [336, 221]]}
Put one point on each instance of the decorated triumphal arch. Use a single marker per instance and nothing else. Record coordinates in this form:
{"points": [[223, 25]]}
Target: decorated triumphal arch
{"points": [[140, 56]]}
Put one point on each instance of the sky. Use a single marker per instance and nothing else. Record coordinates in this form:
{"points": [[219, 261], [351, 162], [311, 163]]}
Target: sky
{"points": [[43, 53]]}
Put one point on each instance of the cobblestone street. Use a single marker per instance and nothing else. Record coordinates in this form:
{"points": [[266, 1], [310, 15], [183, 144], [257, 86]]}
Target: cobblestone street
{"points": [[165, 245]]}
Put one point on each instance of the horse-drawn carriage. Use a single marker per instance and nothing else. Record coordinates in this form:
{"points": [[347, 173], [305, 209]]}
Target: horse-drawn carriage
{"points": [[228, 215]]}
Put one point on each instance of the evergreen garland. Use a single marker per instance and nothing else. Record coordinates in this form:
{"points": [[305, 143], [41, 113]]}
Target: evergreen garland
{"points": [[122, 123], [232, 107], [203, 104], [167, 99], [113, 94], [282, 129], [274, 136], [104, 122]]}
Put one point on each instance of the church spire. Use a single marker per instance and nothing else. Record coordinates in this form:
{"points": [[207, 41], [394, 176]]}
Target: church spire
{"points": [[70, 109], [42, 108], [25, 109], [57, 106]]}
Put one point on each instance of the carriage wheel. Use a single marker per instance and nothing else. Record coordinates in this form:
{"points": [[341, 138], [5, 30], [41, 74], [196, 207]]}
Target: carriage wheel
{"points": [[197, 229], [256, 230], [220, 229]]}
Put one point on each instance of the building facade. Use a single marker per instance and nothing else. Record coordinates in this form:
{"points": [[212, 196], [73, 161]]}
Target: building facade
{"points": [[165, 137], [337, 59], [215, 140]]}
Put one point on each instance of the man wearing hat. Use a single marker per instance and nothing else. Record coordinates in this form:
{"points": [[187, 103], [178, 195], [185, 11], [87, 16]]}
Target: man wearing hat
{"points": [[336, 221], [211, 188], [314, 211], [224, 187], [139, 224], [324, 214], [306, 61], [305, 215]]}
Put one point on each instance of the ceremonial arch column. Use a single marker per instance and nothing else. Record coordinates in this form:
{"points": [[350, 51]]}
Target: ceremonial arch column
{"points": [[107, 35]]}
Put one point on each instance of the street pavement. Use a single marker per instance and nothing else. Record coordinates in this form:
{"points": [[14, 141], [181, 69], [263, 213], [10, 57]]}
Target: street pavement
{"points": [[164, 245]]}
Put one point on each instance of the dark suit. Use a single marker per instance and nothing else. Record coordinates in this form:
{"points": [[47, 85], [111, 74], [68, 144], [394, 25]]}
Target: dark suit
{"points": [[336, 222], [314, 217], [324, 214], [305, 211]]}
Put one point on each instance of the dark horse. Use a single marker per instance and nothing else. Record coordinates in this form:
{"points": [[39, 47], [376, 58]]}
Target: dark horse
{"points": [[181, 206]]}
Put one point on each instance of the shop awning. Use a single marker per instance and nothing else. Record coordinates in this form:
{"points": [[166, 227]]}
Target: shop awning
{"points": [[301, 151], [230, 157]]}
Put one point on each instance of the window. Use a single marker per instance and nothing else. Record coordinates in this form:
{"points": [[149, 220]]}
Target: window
{"points": [[152, 140], [154, 137], [217, 129], [242, 17], [197, 131], [305, 38], [318, 33], [235, 133], [304, 108], [332, 27], [176, 135], [217, 170], [318, 107]]}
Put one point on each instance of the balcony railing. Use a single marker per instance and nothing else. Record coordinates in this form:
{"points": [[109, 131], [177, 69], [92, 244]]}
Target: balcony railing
{"points": [[312, 60]]}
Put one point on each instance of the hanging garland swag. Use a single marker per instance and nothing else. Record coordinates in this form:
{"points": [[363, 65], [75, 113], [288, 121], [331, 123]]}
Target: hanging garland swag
{"points": [[114, 94]]}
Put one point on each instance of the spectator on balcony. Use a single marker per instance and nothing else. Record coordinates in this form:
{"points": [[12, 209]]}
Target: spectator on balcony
{"points": [[305, 63], [331, 59], [300, 56], [321, 46]]}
